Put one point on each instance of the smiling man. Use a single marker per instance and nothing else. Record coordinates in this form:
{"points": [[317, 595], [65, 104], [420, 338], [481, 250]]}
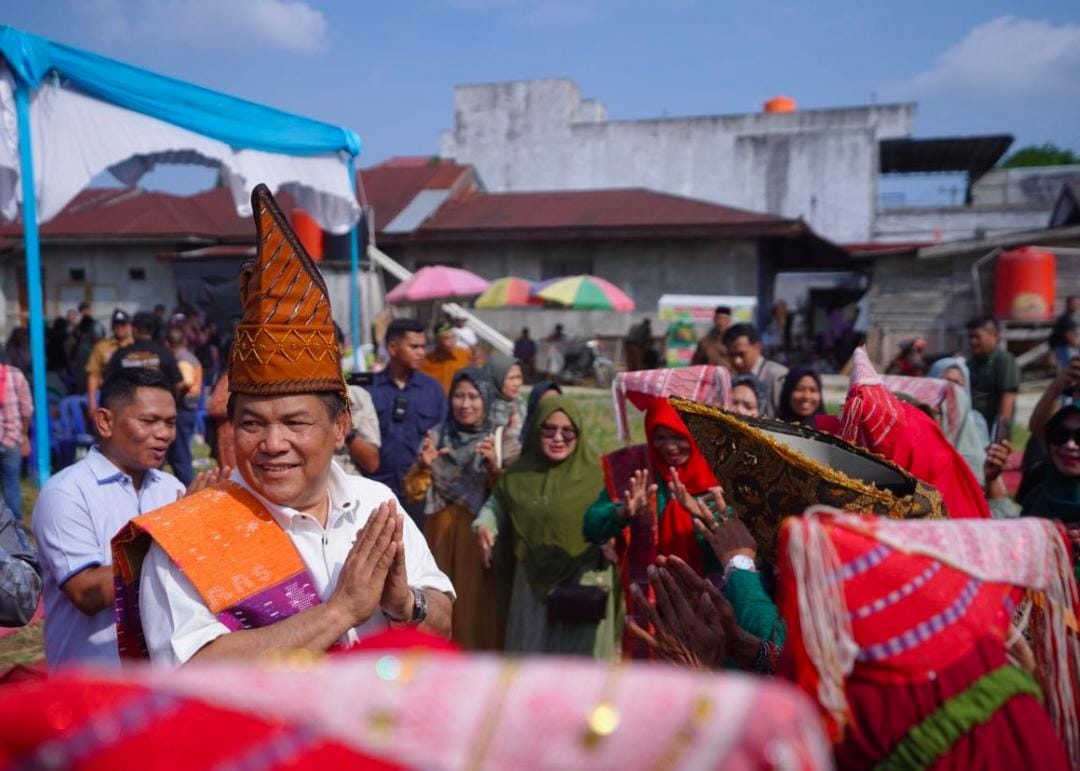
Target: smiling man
{"points": [[81, 508], [290, 552]]}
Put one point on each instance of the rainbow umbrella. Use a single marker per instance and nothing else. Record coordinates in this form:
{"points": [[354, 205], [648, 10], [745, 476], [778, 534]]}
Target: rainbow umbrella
{"points": [[586, 293], [508, 292], [437, 282]]}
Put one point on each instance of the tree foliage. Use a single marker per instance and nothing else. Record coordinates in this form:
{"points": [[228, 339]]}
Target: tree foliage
{"points": [[1040, 155]]}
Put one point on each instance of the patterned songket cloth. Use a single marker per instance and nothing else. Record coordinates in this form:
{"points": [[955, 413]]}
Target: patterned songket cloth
{"points": [[901, 630]]}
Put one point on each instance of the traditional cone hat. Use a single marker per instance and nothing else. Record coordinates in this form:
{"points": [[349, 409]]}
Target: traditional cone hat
{"points": [[770, 470], [285, 343]]}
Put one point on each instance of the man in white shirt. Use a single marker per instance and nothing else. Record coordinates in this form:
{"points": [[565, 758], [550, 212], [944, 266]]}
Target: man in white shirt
{"points": [[291, 552], [464, 335]]}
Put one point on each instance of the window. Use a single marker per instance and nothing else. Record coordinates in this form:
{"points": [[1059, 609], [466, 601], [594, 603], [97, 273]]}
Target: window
{"points": [[77, 274], [137, 274]]}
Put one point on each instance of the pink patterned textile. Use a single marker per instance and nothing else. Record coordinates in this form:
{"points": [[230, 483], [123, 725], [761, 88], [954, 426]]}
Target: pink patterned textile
{"points": [[448, 711], [933, 393], [706, 383]]}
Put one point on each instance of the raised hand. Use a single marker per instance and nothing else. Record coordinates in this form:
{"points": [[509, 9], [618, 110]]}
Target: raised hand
{"points": [[997, 455], [486, 541], [728, 539], [207, 478], [428, 453], [740, 645], [363, 574], [637, 499], [397, 597], [687, 626], [486, 448]]}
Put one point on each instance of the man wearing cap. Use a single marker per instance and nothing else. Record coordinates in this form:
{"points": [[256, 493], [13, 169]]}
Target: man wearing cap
{"points": [[101, 353], [290, 553], [710, 349], [446, 358]]}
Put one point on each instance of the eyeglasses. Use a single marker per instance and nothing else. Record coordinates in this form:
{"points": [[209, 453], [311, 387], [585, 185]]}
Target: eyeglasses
{"points": [[398, 410], [1060, 435], [569, 433]]}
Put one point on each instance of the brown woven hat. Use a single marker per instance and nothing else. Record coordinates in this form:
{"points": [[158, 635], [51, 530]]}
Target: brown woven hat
{"points": [[770, 470], [285, 343]]}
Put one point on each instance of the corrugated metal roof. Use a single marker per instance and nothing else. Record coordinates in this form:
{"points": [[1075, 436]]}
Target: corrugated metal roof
{"points": [[975, 155], [426, 203], [391, 186]]}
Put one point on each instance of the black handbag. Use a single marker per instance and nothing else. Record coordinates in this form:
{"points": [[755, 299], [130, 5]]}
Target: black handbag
{"points": [[576, 604]]}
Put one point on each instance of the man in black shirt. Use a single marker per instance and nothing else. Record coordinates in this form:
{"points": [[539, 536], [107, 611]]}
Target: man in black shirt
{"points": [[145, 352], [1065, 338]]}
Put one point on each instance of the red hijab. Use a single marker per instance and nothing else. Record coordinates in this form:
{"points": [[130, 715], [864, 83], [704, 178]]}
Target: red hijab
{"points": [[676, 526]]}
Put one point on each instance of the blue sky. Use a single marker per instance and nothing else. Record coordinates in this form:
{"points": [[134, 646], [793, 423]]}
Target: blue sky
{"points": [[387, 69]]}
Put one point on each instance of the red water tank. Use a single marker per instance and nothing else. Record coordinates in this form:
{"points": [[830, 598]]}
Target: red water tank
{"points": [[309, 233], [780, 104], [1024, 285]]}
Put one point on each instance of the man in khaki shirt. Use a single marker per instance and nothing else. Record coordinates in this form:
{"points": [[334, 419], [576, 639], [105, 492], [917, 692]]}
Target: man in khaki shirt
{"points": [[103, 351]]}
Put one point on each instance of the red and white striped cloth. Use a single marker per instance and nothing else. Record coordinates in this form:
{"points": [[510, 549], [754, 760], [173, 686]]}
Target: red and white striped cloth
{"points": [[707, 383]]}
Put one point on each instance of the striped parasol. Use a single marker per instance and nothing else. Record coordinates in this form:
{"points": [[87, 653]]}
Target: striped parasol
{"points": [[586, 293], [508, 292]]}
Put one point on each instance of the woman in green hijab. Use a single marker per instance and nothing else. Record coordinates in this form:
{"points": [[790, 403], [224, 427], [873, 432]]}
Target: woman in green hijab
{"points": [[566, 598]]}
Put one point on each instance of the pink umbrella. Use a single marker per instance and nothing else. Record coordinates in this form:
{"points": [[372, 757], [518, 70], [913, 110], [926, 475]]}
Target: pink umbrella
{"points": [[437, 282]]}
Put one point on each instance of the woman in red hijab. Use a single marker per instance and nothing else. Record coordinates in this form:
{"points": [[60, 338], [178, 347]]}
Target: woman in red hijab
{"points": [[639, 510]]}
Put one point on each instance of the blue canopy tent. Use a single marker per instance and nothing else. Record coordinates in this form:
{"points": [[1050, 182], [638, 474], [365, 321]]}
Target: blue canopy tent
{"points": [[78, 114]]}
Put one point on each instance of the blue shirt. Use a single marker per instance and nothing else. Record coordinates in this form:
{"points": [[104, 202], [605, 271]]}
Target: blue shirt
{"points": [[77, 513], [425, 408]]}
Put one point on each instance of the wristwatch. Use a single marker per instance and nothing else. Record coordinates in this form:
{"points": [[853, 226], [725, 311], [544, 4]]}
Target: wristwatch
{"points": [[419, 609], [739, 562]]}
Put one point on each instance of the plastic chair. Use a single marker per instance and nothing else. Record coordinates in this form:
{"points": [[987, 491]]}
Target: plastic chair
{"points": [[73, 424]]}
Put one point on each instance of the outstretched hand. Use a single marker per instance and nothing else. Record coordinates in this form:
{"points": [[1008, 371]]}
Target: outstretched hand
{"points": [[728, 538], [205, 479], [687, 626]]}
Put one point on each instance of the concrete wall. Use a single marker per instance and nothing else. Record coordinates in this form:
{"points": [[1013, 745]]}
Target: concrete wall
{"points": [[955, 223], [1039, 185], [935, 298], [108, 280], [645, 270], [821, 165]]}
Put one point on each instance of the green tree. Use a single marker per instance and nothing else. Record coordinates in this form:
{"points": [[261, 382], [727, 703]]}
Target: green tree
{"points": [[1040, 155]]}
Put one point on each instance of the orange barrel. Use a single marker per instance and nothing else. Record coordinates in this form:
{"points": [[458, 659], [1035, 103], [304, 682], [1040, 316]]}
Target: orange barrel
{"points": [[780, 104], [309, 233], [1025, 282]]}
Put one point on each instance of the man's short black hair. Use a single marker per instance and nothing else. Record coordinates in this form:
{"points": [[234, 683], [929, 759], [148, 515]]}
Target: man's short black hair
{"points": [[724, 310], [84, 306], [144, 323], [400, 327], [735, 331], [159, 307], [333, 401], [119, 388], [981, 322]]}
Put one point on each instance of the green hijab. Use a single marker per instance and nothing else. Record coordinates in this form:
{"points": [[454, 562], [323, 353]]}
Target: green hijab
{"points": [[546, 503], [1058, 497]]}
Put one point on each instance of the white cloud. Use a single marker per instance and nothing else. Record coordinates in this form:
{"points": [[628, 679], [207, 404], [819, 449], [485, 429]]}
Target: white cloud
{"points": [[1006, 56], [284, 25]]}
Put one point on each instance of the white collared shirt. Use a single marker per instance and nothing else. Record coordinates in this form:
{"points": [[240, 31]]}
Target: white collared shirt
{"points": [[176, 622]]}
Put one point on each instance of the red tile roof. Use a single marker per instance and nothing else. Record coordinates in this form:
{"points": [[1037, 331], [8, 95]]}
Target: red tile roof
{"points": [[392, 185], [572, 213]]}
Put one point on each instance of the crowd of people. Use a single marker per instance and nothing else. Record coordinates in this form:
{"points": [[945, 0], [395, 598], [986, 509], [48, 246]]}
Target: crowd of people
{"points": [[439, 497]]}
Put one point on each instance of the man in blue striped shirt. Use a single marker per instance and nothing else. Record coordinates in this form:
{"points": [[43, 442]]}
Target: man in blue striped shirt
{"points": [[81, 508]]}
